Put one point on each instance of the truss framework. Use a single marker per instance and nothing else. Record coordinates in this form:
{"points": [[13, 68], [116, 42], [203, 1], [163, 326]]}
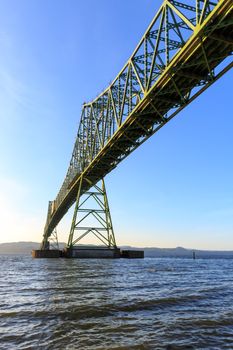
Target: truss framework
{"points": [[101, 226], [186, 48], [53, 240]]}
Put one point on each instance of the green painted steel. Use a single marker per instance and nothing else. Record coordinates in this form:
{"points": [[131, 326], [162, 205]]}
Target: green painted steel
{"points": [[186, 48], [101, 226]]}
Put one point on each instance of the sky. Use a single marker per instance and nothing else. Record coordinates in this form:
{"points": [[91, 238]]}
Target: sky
{"points": [[175, 190]]}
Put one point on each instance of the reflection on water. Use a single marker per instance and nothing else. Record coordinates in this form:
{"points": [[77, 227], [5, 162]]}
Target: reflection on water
{"points": [[115, 304]]}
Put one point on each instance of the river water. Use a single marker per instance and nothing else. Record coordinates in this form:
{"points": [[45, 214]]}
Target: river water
{"points": [[116, 304]]}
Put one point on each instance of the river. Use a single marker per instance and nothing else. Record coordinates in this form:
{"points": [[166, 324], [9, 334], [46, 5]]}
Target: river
{"points": [[115, 304]]}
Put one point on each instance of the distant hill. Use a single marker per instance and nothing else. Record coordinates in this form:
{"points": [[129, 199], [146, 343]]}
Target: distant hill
{"points": [[180, 252], [18, 247], [153, 252]]}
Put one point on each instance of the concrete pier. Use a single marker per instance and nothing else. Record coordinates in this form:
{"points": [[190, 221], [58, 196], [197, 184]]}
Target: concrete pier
{"points": [[88, 252], [51, 253]]}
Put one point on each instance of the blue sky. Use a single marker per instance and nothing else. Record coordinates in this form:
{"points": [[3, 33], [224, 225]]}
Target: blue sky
{"points": [[175, 190]]}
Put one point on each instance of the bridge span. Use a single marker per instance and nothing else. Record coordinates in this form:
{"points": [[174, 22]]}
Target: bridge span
{"points": [[186, 48]]}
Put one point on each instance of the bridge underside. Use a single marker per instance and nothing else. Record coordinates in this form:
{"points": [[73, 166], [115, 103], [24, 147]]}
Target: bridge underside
{"points": [[204, 58]]}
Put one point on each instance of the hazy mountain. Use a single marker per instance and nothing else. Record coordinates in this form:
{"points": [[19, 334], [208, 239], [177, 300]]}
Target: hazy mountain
{"points": [[18, 247], [180, 252], [153, 252]]}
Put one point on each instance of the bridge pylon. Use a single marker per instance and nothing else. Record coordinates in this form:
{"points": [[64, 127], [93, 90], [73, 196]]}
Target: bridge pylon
{"points": [[50, 242], [92, 217], [53, 240]]}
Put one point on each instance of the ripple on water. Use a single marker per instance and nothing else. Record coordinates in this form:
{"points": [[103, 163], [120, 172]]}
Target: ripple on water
{"points": [[96, 304]]}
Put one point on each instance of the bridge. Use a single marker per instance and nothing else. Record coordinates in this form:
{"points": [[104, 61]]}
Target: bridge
{"points": [[186, 48]]}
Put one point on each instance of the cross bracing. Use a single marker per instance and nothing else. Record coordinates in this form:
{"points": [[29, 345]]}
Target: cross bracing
{"points": [[186, 48]]}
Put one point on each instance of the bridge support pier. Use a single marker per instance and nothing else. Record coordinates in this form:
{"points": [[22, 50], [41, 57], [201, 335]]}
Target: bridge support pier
{"points": [[92, 252], [92, 217], [49, 253]]}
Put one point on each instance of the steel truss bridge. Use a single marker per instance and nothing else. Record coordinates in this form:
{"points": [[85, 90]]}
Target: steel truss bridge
{"points": [[186, 48]]}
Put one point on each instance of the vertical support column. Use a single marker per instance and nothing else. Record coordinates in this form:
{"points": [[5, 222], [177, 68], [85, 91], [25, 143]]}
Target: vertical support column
{"points": [[145, 63], [71, 235], [92, 216], [45, 243], [197, 11], [130, 90], [167, 53], [53, 240], [119, 100], [110, 231]]}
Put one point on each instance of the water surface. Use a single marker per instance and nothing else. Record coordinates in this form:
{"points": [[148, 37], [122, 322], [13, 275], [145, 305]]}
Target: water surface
{"points": [[116, 304]]}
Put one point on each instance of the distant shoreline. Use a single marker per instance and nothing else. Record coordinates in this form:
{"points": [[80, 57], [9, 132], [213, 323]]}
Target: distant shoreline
{"points": [[152, 252]]}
